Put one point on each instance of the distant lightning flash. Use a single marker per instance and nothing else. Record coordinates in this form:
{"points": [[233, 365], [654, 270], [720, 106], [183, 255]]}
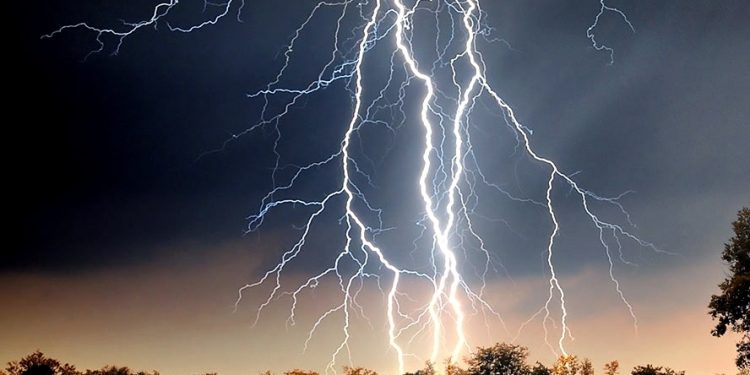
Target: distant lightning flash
{"points": [[447, 88]]}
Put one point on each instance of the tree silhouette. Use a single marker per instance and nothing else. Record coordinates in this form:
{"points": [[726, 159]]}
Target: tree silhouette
{"points": [[540, 369], [566, 365], [651, 370], [501, 359], [120, 370], [429, 369], [110, 370], [732, 306], [453, 369], [611, 368], [358, 371], [38, 364], [301, 372], [586, 367]]}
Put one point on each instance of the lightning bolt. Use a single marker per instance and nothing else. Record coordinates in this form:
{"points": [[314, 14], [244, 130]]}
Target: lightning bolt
{"points": [[446, 182]]}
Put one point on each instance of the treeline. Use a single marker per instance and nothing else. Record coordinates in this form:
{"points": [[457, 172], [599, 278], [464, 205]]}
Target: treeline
{"points": [[500, 359], [38, 364], [510, 359]]}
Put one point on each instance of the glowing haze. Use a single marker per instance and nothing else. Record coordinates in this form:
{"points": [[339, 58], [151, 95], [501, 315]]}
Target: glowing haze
{"points": [[427, 272]]}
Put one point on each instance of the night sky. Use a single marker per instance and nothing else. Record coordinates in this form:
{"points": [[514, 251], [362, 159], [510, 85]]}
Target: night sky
{"points": [[127, 235]]}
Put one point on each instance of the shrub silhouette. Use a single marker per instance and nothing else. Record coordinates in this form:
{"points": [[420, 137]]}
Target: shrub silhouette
{"points": [[652, 370]]}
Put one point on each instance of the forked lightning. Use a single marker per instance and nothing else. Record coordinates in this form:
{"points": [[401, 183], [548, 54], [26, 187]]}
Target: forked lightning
{"points": [[448, 87]]}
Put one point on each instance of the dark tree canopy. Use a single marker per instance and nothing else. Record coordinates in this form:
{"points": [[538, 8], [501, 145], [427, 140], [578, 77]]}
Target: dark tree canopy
{"points": [[39, 370], [586, 367], [655, 370], [358, 371], [732, 307], [429, 369], [119, 370], [611, 368], [572, 365], [540, 369], [499, 359], [38, 364], [301, 372]]}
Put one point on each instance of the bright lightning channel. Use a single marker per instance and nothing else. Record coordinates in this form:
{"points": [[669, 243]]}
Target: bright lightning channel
{"points": [[447, 188]]}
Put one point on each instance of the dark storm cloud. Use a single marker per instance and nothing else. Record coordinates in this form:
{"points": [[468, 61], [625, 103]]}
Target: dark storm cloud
{"points": [[668, 120], [105, 159], [103, 164]]}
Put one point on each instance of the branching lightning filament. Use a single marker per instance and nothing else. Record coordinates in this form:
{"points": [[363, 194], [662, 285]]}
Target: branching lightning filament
{"points": [[440, 94]]}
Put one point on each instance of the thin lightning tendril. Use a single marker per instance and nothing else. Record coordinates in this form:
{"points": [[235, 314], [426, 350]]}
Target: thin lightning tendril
{"points": [[447, 181]]}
